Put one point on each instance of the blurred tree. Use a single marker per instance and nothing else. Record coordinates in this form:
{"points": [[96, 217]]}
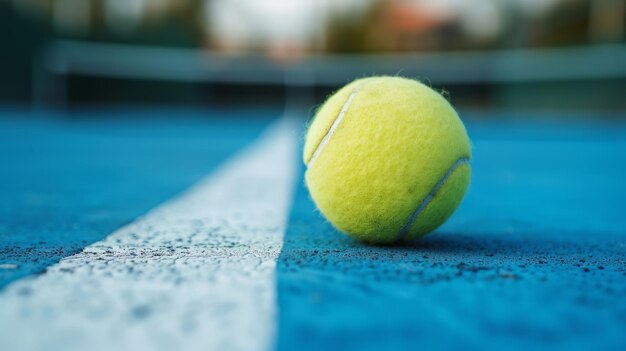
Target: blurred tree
{"points": [[565, 24], [163, 22], [607, 21], [347, 32], [20, 38]]}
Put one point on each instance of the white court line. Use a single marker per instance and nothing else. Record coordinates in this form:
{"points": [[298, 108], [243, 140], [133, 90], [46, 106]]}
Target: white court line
{"points": [[197, 273]]}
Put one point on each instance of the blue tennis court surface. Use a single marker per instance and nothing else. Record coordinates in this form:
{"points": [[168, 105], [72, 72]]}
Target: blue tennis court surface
{"points": [[152, 192], [535, 257], [68, 181]]}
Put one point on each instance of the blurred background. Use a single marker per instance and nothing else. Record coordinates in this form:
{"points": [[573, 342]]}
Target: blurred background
{"points": [[555, 55]]}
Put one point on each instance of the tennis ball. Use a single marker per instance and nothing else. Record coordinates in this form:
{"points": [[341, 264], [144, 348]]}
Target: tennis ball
{"points": [[387, 159]]}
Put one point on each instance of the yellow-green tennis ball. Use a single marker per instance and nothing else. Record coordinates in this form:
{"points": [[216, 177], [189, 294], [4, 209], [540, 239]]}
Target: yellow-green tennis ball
{"points": [[387, 159]]}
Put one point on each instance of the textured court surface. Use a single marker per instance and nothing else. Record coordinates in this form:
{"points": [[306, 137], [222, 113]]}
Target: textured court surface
{"points": [[67, 181], [534, 258]]}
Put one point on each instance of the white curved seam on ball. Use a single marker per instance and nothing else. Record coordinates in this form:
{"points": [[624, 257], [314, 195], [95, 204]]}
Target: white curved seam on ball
{"points": [[422, 206], [334, 126]]}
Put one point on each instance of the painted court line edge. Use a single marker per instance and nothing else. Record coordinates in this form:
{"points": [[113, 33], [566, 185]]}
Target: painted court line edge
{"points": [[196, 273]]}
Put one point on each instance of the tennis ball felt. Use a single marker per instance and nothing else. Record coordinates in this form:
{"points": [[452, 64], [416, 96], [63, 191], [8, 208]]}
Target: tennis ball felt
{"points": [[387, 159]]}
